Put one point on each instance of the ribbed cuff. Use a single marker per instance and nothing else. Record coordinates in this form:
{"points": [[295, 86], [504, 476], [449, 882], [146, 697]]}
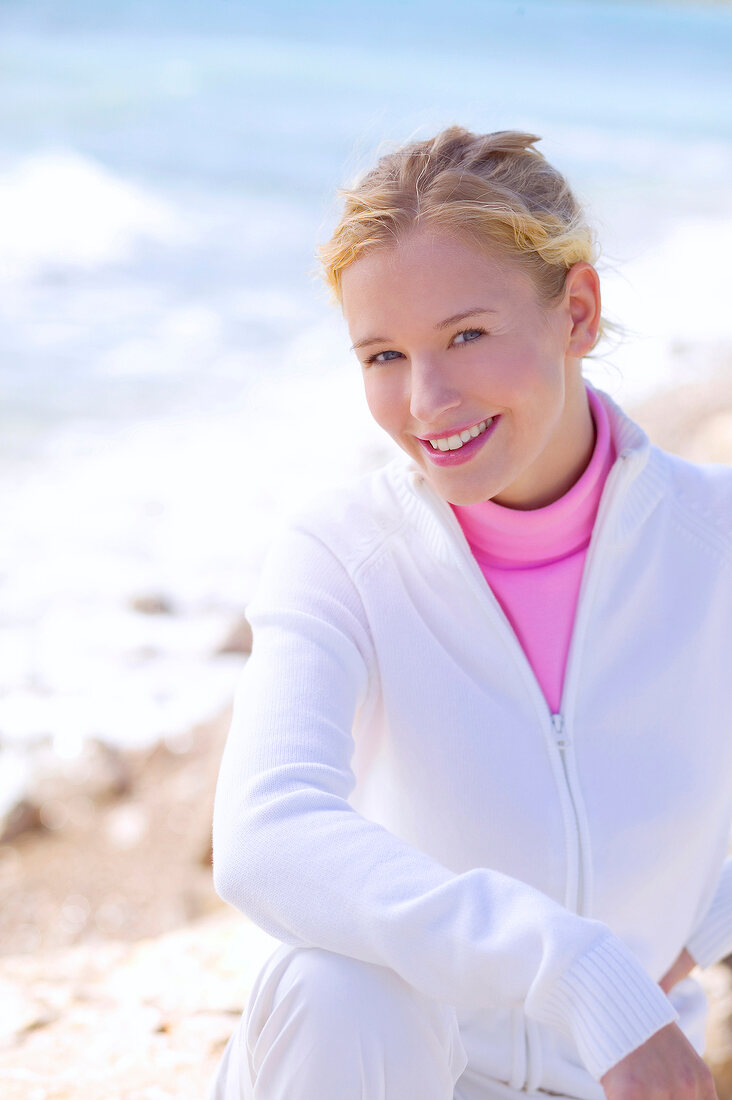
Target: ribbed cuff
{"points": [[712, 939], [608, 1003]]}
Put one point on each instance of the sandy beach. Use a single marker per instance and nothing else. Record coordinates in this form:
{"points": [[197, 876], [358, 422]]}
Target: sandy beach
{"points": [[121, 972]]}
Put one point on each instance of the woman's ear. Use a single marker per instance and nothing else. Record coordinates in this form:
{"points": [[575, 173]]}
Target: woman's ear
{"points": [[582, 297]]}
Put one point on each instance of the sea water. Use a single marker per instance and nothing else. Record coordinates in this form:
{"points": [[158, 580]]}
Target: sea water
{"points": [[173, 379]]}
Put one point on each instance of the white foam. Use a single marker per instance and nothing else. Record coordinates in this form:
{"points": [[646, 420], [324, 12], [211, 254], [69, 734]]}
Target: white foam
{"points": [[673, 302], [61, 210], [659, 156], [182, 507], [679, 290]]}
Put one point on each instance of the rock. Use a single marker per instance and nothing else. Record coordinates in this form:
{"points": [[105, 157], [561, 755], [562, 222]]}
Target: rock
{"points": [[239, 639], [63, 788], [152, 604], [99, 772], [713, 441], [128, 1021], [120, 855], [693, 420], [23, 817]]}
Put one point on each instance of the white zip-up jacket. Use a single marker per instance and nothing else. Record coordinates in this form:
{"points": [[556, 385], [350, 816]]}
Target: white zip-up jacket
{"points": [[394, 787]]}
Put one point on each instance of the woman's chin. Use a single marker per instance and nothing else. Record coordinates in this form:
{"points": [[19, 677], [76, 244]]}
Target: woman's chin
{"points": [[464, 494]]}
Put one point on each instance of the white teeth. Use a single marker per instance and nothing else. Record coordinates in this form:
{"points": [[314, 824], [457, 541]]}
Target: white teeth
{"points": [[454, 442]]}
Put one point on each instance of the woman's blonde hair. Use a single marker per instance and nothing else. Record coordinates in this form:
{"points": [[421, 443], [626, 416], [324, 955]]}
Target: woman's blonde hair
{"points": [[494, 191]]}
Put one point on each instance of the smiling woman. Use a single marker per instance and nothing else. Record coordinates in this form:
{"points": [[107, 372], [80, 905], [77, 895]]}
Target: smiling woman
{"points": [[435, 380], [459, 785]]}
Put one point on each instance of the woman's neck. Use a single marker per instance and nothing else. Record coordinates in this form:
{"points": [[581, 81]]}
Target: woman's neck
{"points": [[561, 464]]}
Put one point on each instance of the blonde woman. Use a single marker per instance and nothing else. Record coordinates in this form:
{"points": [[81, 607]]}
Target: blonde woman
{"points": [[477, 780]]}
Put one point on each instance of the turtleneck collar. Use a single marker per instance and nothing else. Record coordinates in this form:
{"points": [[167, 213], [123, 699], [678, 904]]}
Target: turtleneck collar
{"points": [[512, 537]]}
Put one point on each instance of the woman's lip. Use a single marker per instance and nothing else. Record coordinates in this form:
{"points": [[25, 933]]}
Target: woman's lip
{"points": [[455, 431], [462, 454]]}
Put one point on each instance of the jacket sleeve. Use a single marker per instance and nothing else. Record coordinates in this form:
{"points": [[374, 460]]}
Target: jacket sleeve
{"points": [[291, 853], [711, 940]]}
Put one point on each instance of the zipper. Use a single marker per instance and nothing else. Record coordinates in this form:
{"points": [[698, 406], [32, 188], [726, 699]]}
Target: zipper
{"points": [[561, 743], [617, 480]]}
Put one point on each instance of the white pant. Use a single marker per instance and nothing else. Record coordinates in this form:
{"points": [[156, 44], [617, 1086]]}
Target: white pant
{"points": [[322, 1026]]}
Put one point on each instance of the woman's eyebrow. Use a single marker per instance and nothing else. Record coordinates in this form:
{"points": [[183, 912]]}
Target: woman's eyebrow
{"points": [[439, 326], [369, 340], [461, 316]]}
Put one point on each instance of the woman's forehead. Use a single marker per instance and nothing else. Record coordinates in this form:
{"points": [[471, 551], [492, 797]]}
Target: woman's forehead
{"points": [[435, 266]]}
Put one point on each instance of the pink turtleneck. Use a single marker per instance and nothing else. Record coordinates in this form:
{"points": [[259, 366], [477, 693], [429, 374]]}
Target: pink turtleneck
{"points": [[533, 560]]}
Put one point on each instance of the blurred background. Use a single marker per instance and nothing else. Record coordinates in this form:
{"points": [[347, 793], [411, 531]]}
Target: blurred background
{"points": [[173, 379]]}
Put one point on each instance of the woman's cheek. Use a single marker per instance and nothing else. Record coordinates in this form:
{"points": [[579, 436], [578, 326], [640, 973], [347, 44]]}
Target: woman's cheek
{"points": [[385, 398]]}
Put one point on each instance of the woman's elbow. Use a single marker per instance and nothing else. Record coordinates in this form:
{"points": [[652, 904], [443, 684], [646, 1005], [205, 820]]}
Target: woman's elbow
{"points": [[242, 864]]}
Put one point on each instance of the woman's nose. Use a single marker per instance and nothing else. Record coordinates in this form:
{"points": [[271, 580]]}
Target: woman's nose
{"points": [[431, 391]]}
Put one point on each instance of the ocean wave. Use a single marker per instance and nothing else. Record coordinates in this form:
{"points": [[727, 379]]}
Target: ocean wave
{"points": [[679, 289], [646, 150], [60, 210]]}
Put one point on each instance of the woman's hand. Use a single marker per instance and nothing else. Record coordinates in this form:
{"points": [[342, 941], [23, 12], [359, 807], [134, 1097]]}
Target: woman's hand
{"points": [[683, 966], [665, 1067]]}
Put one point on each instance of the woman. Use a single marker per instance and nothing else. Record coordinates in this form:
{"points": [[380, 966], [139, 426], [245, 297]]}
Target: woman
{"points": [[477, 779]]}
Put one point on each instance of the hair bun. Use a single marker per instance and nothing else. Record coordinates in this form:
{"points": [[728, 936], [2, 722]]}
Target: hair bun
{"points": [[509, 141], [459, 145]]}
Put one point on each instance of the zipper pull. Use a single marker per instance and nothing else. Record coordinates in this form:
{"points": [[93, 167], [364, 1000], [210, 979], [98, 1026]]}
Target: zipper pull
{"points": [[558, 723]]}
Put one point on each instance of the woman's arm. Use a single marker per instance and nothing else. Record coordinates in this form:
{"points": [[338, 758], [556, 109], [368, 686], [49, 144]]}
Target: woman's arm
{"points": [[681, 967], [292, 854]]}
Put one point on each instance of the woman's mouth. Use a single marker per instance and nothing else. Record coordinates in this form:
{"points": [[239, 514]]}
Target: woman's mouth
{"points": [[455, 442], [452, 450]]}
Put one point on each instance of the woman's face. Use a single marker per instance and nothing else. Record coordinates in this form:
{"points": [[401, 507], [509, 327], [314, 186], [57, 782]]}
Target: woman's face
{"points": [[469, 372]]}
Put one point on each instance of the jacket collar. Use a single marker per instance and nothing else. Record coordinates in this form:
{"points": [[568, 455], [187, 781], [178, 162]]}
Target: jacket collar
{"points": [[629, 438], [640, 479]]}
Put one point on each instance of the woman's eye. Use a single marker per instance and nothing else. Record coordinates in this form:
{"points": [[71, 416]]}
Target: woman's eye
{"points": [[468, 335], [379, 356]]}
